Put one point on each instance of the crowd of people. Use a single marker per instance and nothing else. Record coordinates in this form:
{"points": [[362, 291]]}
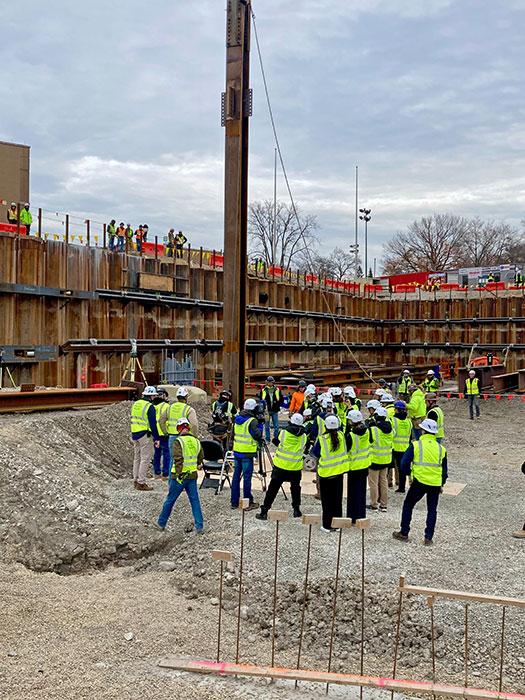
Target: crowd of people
{"points": [[20, 214], [395, 440], [123, 238]]}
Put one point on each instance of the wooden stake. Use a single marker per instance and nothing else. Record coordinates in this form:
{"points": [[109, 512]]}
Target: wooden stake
{"points": [[243, 504]]}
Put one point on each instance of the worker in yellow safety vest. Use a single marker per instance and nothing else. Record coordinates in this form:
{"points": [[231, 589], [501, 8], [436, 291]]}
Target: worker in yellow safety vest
{"points": [[287, 465], [161, 454], [472, 394], [247, 439], [332, 464], [431, 383], [417, 408], [435, 412], [26, 218], [358, 443], [144, 435], [186, 457], [380, 460], [12, 214], [426, 459], [403, 384], [402, 426]]}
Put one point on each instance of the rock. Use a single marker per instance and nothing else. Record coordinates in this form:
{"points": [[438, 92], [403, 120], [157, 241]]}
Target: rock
{"points": [[38, 472], [214, 601], [244, 612], [129, 636], [167, 566], [12, 653], [72, 505]]}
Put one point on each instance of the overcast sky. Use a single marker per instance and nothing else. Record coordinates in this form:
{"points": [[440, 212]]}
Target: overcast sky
{"points": [[120, 103]]}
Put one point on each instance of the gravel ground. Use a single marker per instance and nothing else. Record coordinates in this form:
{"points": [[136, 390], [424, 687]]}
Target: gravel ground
{"points": [[85, 455]]}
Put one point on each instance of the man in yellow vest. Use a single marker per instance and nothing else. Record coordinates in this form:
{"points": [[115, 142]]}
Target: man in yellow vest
{"points": [[12, 214], [380, 459], [435, 412], [162, 452], [431, 383], [416, 407], [358, 442], [287, 466], [402, 427], [180, 240], [143, 429], [186, 458], [180, 409], [426, 459], [472, 394], [26, 218], [247, 437], [404, 382]]}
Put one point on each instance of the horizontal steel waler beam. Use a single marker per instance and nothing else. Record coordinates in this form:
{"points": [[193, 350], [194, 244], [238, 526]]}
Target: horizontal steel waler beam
{"points": [[124, 345], [53, 399], [127, 296]]}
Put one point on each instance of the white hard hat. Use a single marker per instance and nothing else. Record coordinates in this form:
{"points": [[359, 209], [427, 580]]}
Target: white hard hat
{"points": [[182, 391], [472, 371], [373, 403], [354, 416], [309, 391], [297, 419], [349, 391], [430, 371], [406, 371], [381, 412], [429, 426], [336, 391], [332, 422], [182, 421], [149, 391], [13, 204], [307, 413], [379, 392], [387, 398], [250, 405], [325, 403], [311, 388]]}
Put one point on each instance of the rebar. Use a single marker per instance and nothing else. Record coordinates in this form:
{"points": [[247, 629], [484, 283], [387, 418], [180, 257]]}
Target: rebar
{"points": [[241, 561], [334, 608]]}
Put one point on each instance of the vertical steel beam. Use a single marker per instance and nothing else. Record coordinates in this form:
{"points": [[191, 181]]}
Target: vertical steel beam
{"points": [[236, 110]]}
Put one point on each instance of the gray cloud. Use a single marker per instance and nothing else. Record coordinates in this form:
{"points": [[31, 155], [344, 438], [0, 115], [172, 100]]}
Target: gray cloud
{"points": [[120, 104]]}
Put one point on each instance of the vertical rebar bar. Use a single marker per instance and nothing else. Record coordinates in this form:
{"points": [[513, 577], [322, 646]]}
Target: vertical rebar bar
{"points": [[398, 628], [430, 602], [220, 614], [39, 229], [67, 229], [156, 248], [502, 648], [88, 232], [241, 561], [362, 665], [305, 591], [104, 235], [275, 588], [466, 646], [334, 608]]}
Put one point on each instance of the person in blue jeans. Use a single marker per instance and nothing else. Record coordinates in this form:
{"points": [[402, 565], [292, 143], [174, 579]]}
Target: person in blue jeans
{"points": [[162, 455], [272, 398], [187, 456], [247, 438]]}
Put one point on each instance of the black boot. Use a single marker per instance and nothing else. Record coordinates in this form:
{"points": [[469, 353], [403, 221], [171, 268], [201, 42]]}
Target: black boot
{"points": [[263, 515], [297, 512]]}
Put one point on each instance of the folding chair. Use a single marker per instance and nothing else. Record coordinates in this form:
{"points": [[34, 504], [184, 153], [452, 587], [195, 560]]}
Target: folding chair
{"points": [[216, 466]]}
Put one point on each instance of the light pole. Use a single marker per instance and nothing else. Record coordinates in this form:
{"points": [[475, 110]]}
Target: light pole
{"points": [[354, 250], [365, 216]]}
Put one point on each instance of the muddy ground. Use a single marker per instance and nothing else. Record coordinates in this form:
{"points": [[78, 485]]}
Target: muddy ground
{"points": [[84, 569]]}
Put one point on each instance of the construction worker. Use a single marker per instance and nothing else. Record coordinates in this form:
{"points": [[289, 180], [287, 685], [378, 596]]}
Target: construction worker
{"points": [[180, 409], [434, 412], [386, 386], [403, 383], [520, 534], [12, 214], [287, 466], [186, 457], [416, 407], [340, 407], [161, 454], [472, 394], [518, 278], [387, 401], [139, 238], [145, 231], [112, 234], [170, 246], [224, 404], [350, 398], [490, 278], [380, 459], [272, 398], [297, 401], [310, 396], [247, 437], [128, 238], [426, 459], [26, 218], [371, 407], [332, 463], [402, 432], [180, 240], [121, 237], [143, 429], [358, 441], [431, 383]]}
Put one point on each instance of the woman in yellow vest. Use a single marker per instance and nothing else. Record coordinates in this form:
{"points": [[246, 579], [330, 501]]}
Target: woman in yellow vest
{"points": [[426, 459], [187, 456], [358, 442], [332, 464], [287, 466], [472, 394], [380, 460], [402, 427]]}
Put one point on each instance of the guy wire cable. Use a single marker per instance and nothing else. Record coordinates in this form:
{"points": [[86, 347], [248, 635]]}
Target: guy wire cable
{"points": [[308, 256]]}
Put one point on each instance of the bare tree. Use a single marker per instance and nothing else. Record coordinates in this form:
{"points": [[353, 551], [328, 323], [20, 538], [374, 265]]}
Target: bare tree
{"points": [[339, 265], [287, 242], [433, 243], [490, 243]]}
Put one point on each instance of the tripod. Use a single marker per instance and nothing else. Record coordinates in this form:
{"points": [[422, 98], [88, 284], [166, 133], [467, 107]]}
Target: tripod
{"points": [[132, 365], [263, 452]]}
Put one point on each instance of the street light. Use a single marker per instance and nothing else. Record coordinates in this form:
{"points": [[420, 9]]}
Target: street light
{"points": [[354, 250], [365, 216]]}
